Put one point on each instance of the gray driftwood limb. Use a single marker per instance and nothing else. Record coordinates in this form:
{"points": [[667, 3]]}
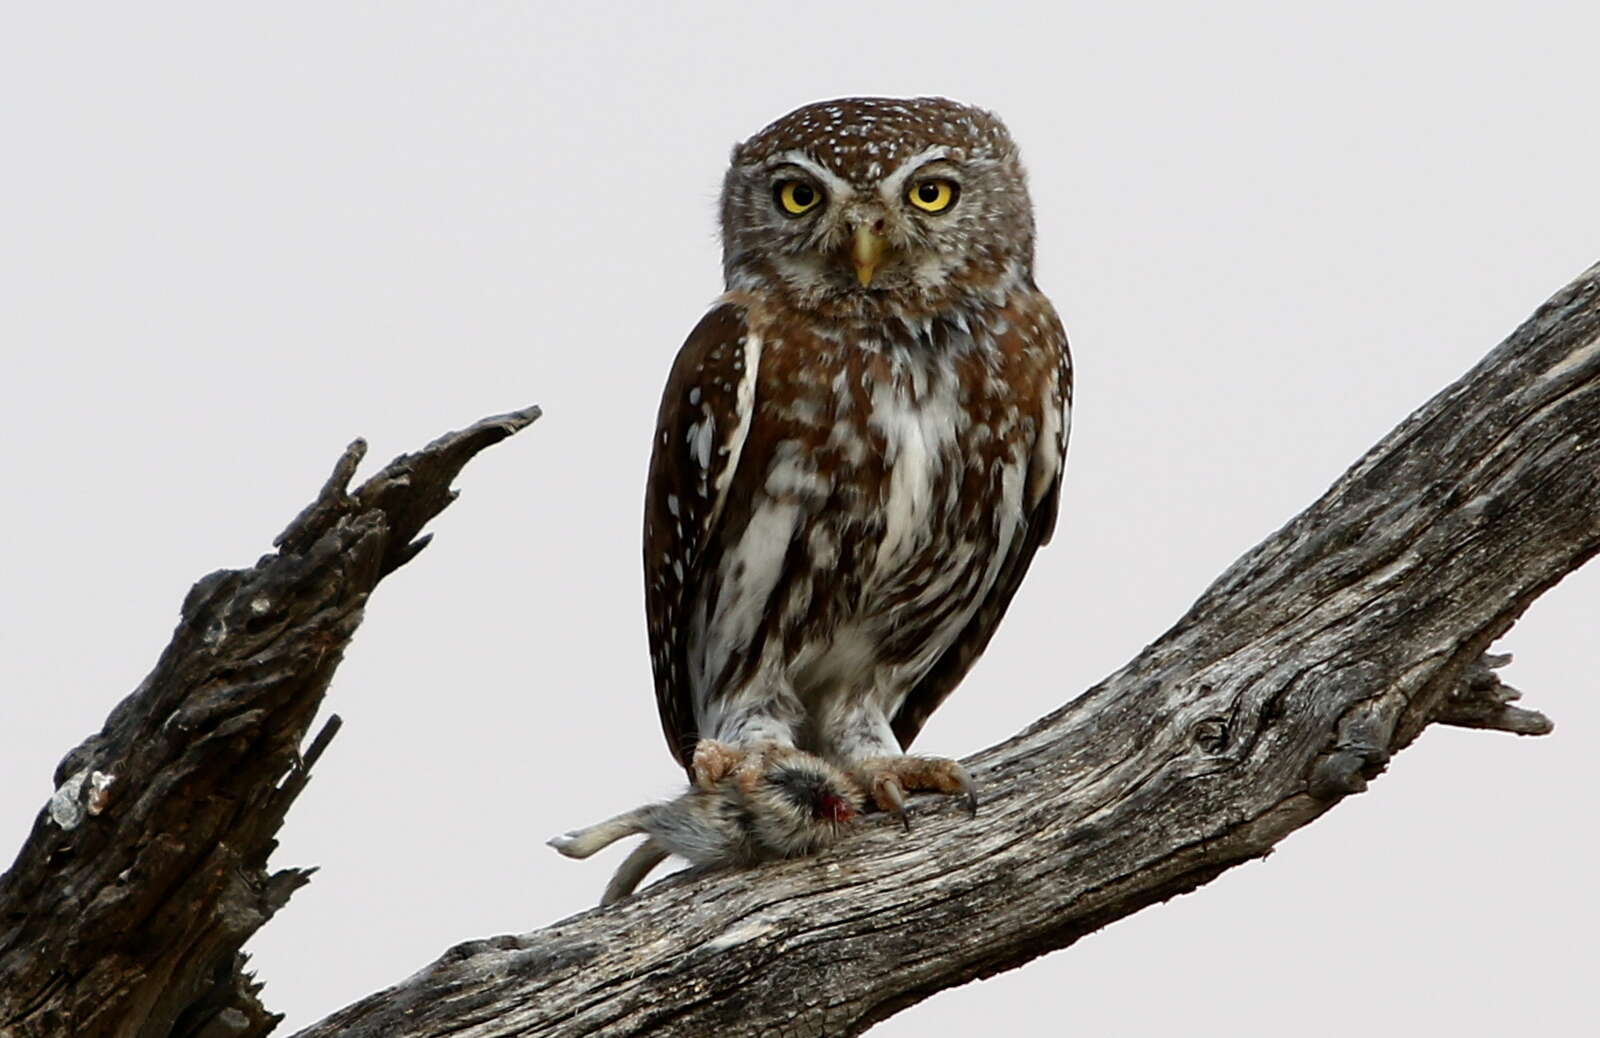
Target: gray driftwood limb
{"points": [[1287, 686], [147, 870]]}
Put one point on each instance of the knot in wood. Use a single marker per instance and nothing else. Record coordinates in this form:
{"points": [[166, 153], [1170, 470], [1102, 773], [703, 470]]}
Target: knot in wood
{"points": [[1211, 734]]}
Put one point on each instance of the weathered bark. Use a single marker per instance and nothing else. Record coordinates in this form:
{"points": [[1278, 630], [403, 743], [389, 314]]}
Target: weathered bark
{"points": [[1291, 681], [147, 870]]}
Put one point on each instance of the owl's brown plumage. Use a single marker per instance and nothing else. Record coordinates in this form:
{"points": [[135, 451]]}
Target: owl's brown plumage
{"points": [[860, 446]]}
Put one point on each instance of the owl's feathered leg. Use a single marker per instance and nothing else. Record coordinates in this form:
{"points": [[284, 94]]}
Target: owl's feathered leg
{"points": [[887, 780], [856, 734]]}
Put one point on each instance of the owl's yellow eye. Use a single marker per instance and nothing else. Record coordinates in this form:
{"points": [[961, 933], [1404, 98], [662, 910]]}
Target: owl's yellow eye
{"points": [[933, 196], [796, 196]]}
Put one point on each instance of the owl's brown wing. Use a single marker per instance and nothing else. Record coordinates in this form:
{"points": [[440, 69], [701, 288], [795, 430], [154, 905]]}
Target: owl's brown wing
{"points": [[700, 431], [1042, 497]]}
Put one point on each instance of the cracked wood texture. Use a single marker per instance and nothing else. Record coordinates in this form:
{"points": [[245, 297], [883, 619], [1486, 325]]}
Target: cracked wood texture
{"points": [[1288, 685], [147, 870]]}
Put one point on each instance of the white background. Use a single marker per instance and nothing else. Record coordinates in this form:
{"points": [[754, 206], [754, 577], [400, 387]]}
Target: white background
{"points": [[232, 241]]}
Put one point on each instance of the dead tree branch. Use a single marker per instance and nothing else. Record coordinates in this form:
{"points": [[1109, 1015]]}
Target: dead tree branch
{"points": [[147, 870], [1288, 685]]}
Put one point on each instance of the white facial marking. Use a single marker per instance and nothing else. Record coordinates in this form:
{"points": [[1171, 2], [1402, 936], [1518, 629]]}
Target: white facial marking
{"points": [[892, 186], [838, 189]]}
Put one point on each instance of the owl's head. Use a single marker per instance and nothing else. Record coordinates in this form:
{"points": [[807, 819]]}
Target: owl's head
{"points": [[878, 207]]}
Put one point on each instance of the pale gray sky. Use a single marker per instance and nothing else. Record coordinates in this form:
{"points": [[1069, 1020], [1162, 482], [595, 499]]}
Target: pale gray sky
{"points": [[235, 240]]}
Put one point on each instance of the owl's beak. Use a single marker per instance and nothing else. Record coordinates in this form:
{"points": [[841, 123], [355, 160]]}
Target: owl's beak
{"points": [[866, 253]]}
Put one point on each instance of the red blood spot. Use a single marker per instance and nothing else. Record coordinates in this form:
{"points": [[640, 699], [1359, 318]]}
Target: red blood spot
{"points": [[834, 809]]}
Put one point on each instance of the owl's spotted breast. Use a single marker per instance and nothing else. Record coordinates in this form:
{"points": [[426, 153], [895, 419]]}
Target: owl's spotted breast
{"points": [[882, 488]]}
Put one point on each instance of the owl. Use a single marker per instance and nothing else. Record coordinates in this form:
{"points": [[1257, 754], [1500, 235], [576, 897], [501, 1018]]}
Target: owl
{"points": [[859, 447], [858, 451]]}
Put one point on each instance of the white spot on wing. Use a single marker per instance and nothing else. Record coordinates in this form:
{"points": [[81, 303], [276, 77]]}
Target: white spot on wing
{"points": [[1046, 455], [744, 408], [699, 438]]}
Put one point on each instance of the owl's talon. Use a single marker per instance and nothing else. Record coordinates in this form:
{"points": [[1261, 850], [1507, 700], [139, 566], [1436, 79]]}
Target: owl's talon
{"points": [[969, 791], [889, 779], [888, 795]]}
